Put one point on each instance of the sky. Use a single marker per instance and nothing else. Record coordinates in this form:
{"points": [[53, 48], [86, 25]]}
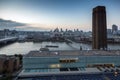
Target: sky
{"points": [[50, 14]]}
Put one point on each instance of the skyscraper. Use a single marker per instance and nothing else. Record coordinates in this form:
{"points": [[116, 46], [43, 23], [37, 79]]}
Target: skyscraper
{"points": [[114, 28], [99, 28]]}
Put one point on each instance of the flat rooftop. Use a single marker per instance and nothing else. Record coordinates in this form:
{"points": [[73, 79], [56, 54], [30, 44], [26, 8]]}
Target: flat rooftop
{"points": [[37, 53]]}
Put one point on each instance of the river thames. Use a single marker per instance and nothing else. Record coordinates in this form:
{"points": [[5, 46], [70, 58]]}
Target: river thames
{"points": [[25, 47]]}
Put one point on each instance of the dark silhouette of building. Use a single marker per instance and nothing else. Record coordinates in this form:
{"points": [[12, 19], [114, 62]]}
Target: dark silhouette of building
{"points": [[114, 28], [99, 28]]}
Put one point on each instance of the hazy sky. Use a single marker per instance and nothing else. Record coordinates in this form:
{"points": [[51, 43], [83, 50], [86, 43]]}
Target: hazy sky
{"points": [[50, 14]]}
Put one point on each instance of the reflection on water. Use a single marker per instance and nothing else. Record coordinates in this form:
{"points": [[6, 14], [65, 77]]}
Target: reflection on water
{"points": [[23, 48]]}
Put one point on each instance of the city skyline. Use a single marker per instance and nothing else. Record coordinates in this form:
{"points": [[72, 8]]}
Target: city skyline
{"points": [[50, 14]]}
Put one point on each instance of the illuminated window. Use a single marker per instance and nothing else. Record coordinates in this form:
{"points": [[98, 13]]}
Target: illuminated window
{"points": [[68, 60]]}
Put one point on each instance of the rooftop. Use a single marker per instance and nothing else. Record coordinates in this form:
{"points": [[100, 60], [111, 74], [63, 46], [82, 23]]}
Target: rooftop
{"points": [[33, 72], [73, 53]]}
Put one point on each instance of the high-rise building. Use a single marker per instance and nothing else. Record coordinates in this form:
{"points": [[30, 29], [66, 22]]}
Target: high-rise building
{"points": [[99, 28], [114, 28]]}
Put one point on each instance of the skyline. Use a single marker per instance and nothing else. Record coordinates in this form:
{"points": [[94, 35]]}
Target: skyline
{"points": [[50, 14]]}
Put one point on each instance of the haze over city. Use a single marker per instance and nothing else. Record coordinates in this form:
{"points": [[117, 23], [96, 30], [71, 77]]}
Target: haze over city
{"points": [[50, 14], [59, 40]]}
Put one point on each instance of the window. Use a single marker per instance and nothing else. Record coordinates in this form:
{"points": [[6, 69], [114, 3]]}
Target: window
{"points": [[68, 60]]}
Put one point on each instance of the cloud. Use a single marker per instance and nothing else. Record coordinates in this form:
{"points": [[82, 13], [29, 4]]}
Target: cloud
{"points": [[13, 25], [8, 24]]}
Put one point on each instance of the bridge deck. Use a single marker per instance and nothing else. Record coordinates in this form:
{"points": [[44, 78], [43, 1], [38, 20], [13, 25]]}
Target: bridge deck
{"points": [[7, 39]]}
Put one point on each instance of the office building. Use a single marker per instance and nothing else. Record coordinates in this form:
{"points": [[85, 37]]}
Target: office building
{"points": [[114, 28]]}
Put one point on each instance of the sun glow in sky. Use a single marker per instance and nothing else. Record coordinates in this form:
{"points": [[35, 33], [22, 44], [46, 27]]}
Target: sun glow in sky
{"points": [[49, 14]]}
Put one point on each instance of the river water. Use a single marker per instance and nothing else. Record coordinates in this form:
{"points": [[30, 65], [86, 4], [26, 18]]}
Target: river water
{"points": [[23, 48]]}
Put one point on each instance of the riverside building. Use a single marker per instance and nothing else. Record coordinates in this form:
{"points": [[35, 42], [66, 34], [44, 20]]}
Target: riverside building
{"points": [[70, 65], [99, 28]]}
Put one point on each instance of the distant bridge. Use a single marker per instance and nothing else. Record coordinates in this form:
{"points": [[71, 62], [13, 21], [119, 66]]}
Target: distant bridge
{"points": [[70, 42], [8, 40]]}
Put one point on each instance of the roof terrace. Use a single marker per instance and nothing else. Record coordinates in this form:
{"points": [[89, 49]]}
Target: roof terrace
{"points": [[73, 53]]}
